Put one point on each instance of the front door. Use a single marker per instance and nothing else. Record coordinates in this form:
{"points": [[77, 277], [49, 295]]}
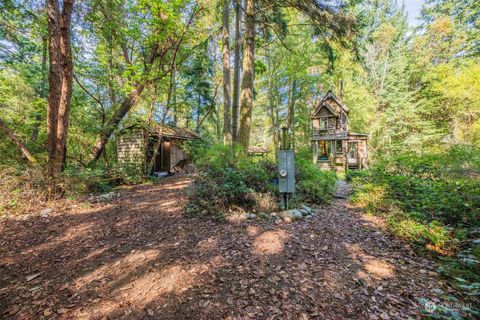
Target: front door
{"points": [[352, 155], [165, 154]]}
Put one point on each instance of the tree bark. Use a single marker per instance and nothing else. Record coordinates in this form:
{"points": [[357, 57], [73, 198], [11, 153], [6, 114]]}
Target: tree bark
{"points": [[60, 83], [227, 122], [67, 85], [246, 98], [236, 71], [18, 142]]}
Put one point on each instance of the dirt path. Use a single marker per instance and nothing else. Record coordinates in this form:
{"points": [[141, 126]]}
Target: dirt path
{"points": [[140, 257]]}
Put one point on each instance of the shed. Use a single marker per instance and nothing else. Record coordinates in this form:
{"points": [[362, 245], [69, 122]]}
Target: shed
{"points": [[257, 151], [137, 143]]}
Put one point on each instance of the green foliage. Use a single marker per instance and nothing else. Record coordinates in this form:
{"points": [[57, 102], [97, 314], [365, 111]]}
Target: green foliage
{"points": [[229, 180], [313, 185], [22, 189], [81, 181], [424, 193], [431, 199]]}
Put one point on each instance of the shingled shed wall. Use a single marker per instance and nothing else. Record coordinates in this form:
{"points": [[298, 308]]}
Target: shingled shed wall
{"points": [[131, 148]]}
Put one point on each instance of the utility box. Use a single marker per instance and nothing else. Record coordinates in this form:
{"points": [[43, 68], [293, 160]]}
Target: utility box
{"points": [[286, 171]]}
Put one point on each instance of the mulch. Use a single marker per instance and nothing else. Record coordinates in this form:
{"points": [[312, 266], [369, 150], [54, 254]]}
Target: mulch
{"points": [[140, 257]]}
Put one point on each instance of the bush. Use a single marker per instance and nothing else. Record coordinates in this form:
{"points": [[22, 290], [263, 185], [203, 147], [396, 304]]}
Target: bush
{"points": [[429, 199], [22, 189], [313, 185], [228, 180], [426, 189]]}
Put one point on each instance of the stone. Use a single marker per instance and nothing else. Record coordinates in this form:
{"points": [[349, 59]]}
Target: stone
{"points": [[252, 216], [304, 212], [46, 212], [296, 214], [243, 216], [307, 208], [287, 219], [273, 214]]}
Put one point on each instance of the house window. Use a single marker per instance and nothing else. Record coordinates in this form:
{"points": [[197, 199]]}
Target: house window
{"points": [[323, 123], [339, 146]]}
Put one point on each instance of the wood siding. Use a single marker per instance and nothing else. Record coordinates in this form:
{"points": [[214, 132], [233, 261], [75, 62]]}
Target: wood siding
{"points": [[131, 148]]}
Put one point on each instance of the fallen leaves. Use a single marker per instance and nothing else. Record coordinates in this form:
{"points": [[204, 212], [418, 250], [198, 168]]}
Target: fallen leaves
{"points": [[141, 257]]}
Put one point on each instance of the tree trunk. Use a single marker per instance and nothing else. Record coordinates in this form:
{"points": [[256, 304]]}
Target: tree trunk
{"points": [[60, 83], [227, 127], [112, 124], [236, 72], [67, 85], [17, 141], [246, 98]]}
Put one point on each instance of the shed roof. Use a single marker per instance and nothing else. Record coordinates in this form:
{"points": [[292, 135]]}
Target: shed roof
{"points": [[167, 131], [255, 149]]}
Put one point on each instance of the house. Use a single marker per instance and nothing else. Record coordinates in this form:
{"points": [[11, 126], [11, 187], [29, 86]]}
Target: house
{"points": [[136, 146], [334, 146]]}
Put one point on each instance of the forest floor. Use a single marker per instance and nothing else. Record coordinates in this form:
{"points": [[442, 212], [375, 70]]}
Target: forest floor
{"points": [[138, 256]]}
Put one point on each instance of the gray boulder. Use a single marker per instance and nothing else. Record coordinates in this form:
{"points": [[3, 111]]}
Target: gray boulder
{"points": [[304, 212], [296, 214], [307, 208]]}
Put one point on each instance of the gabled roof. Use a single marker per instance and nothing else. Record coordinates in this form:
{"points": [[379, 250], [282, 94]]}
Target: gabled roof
{"points": [[167, 131], [329, 95]]}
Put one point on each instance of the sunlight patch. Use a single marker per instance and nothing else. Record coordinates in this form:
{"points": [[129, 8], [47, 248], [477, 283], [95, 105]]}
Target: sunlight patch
{"points": [[377, 268], [270, 242]]}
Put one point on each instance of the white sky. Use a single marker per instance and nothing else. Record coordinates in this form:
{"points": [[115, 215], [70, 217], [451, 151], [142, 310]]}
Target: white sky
{"points": [[413, 8]]}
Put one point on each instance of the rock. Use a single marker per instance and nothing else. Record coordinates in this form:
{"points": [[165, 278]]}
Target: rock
{"points": [[243, 216], [46, 212], [307, 208], [287, 219], [252, 216], [296, 214], [273, 214], [304, 212]]}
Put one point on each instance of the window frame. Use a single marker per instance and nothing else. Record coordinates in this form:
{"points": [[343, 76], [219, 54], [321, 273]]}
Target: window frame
{"points": [[323, 121]]}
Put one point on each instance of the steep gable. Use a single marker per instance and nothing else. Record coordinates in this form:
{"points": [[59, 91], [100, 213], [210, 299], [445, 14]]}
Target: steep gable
{"points": [[324, 110], [331, 103]]}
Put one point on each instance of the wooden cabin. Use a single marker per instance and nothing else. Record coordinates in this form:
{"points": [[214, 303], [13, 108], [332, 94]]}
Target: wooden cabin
{"points": [[334, 146], [136, 146]]}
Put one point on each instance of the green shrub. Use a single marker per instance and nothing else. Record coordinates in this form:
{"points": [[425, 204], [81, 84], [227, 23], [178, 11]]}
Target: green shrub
{"points": [[313, 185], [228, 180], [429, 199]]}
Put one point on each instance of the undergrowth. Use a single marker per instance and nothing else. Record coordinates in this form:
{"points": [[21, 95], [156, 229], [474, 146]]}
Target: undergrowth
{"points": [[432, 200], [230, 181]]}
